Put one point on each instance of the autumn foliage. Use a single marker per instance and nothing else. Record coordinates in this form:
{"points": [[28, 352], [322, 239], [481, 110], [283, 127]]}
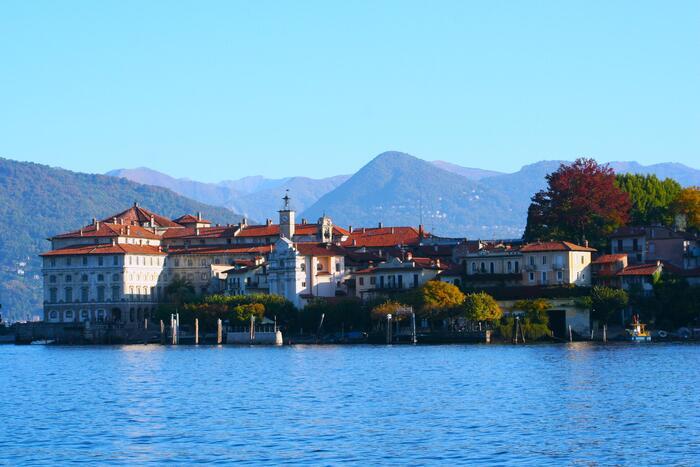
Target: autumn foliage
{"points": [[582, 202]]}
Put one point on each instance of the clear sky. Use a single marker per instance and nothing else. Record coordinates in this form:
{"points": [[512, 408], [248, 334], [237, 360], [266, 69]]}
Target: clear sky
{"points": [[217, 90]]}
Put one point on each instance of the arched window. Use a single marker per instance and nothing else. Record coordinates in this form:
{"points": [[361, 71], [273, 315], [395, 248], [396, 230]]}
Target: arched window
{"points": [[83, 315], [100, 278], [69, 316], [189, 263], [69, 278], [100, 315], [491, 267], [84, 278], [53, 315], [115, 277], [69, 294], [482, 267]]}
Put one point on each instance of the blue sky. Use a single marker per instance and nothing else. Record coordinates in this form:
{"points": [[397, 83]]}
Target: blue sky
{"points": [[217, 90]]}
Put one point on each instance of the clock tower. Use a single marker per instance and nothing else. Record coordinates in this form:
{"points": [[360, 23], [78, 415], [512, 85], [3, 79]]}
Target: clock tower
{"points": [[287, 221]]}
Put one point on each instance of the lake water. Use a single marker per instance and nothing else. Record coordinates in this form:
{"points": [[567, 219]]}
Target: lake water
{"points": [[489, 404]]}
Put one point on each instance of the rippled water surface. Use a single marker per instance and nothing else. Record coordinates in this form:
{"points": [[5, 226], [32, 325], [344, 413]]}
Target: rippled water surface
{"points": [[543, 404]]}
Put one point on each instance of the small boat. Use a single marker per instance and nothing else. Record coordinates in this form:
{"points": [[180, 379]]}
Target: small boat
{"points": [[637, 332]]}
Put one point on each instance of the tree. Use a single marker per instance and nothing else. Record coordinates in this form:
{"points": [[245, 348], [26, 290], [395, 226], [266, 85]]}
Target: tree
{"points": [[244, 312], [440, 299], [180, 291], [581, 202], [688, 205], [481, 306], [389, 307], [534, 321], [607, 302], [652, 199]]}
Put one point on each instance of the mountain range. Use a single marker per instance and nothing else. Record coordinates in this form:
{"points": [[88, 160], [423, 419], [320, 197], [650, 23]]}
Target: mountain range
{"points": [[397, 188]]}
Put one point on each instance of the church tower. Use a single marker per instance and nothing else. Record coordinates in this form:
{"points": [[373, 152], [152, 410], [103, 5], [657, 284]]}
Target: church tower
{"points": [[287, 221], [325, 229]]}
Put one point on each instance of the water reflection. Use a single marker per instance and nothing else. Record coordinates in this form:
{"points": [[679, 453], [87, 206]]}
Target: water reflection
{"points": [[541, 404]]}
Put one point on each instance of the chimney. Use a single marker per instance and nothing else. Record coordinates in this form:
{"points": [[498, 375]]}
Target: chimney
{"points": [[81, 232], [392, 230], [303, 221], [136, 204], [420, 231], [585, 243], [97, 225], [94, 220], [268, 222], [350, 228], [199, 215], [114, 220], [153, 221], [381, 225]]}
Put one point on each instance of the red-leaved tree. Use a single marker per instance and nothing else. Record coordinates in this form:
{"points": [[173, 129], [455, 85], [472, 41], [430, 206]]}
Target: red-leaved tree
{"points": [[581, 202]]}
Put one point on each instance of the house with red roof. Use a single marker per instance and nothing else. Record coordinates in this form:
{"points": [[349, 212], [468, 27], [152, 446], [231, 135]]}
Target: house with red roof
{"points": [[605, 269], [396, 275]]}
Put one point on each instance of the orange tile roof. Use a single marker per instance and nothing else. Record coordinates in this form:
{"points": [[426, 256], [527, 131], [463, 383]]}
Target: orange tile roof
{"points": [[204, 232], [605, 259], [274, 230], [382, 237], [554, 246], [190, 219], [104, 229], [639, 270], [106, 249], [141, 215], [220, 249]]}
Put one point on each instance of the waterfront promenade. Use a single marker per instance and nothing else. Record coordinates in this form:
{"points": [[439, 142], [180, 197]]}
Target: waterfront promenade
{"points": [[577, 403]]}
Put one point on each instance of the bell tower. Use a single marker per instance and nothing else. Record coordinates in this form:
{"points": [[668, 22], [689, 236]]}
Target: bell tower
{"points": [[287, 221], [325, 229]]}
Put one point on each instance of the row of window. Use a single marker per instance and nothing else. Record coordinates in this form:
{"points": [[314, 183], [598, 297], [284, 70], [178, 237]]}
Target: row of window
{"points": [[390, 281], [511, 267], [83, 260], [135, 293], [83, 278]]}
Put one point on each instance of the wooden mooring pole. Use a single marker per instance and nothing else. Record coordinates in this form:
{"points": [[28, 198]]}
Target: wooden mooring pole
{"points": [[219, 332], [605, 333], [571, 336], [162, 332], [196, 331]]}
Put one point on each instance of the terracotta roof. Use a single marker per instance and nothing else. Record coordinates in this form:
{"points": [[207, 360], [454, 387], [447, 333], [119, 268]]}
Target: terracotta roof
{"points": [[141, 215], [383, 237], [319, 249], [220, 249], [106, 249], [605, 259], [104, 229], [274, 230], [554, 246], [190, 219], [418, 263], [204, 232], [639, 270]]}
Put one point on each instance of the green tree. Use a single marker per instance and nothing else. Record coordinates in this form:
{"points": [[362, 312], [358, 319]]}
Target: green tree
{"points": [[652, 199], [581, 202], [606, 303], [440, 300], [390, 307], [534, 321], [244, 312], [180, 291], [481, 306]]}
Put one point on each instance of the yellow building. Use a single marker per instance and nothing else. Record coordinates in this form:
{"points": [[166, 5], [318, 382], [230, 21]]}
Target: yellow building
{"points": [[556, 263]]}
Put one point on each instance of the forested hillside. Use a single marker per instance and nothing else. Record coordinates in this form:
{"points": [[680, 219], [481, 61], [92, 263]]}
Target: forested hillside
{"points": [[37, 201]]}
